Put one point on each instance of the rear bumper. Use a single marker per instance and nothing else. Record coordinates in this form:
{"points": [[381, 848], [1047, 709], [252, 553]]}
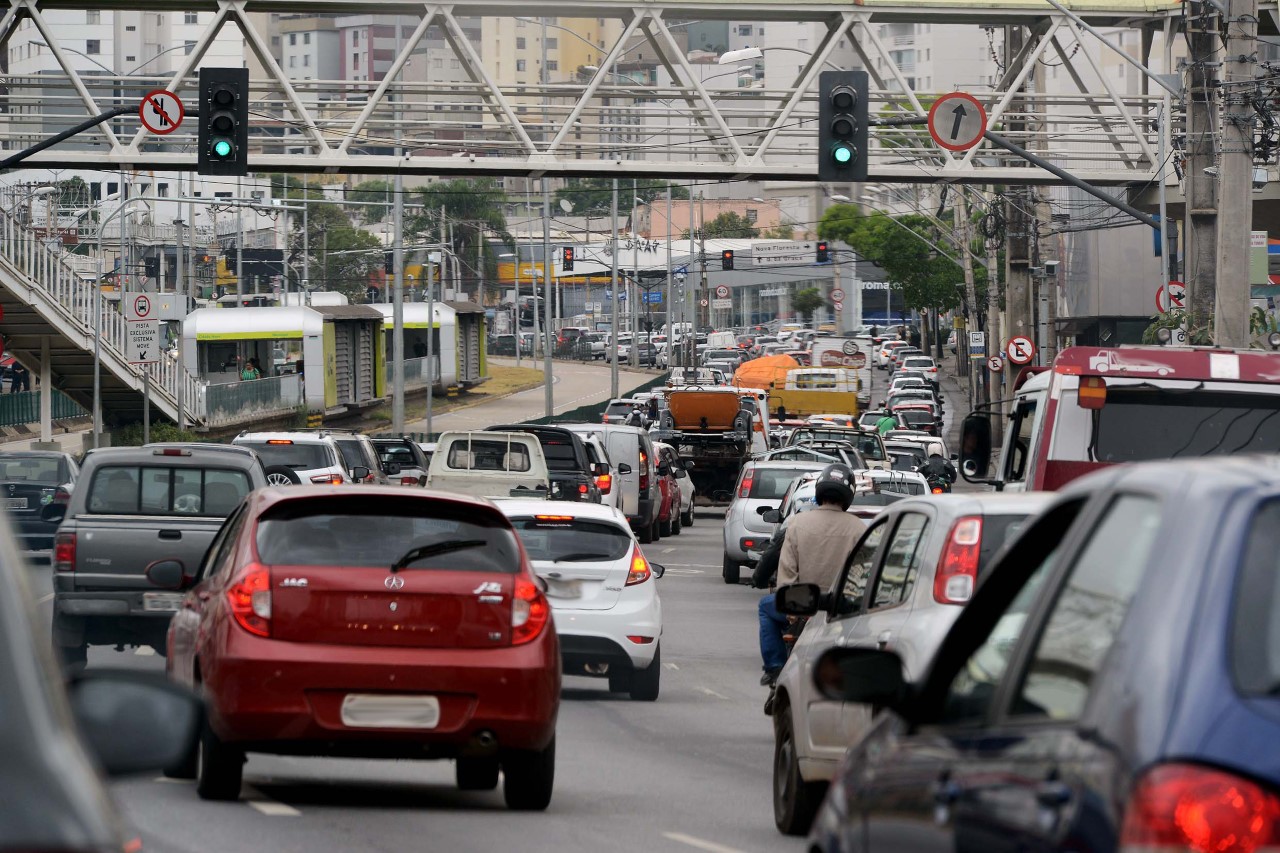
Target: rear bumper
{"points": [[107, 618], [273, 696], [600, 636]]}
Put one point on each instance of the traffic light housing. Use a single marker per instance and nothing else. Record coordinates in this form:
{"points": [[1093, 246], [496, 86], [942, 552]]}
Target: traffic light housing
{"points": [[842, 126], [223, 146], [823, 254], [567, 258], [726, 259]]}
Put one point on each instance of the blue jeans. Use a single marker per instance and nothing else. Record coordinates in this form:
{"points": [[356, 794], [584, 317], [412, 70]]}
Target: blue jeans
{"points": [[773, 650]]}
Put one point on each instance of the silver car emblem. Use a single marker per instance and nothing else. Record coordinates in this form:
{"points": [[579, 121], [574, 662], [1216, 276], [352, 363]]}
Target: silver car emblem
{"points": [[394, 582]]}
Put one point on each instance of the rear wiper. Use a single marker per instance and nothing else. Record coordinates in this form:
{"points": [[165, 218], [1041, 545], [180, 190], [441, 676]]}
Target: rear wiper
{"points": [[415, 554], [569, 558]]}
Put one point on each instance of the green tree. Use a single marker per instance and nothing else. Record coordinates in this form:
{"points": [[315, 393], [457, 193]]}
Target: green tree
{"points": [[779, 232], [376, 191], [806, 302], [343, 257], [727, 225], [595, 195], [474, 206]]}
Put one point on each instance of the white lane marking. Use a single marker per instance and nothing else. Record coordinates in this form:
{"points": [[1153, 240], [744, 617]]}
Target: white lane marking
{"points": [[270, 808], [699, 843], [668, 550], [42, 599], [672, 571], [689, 565], [145, 652], [710, 692], [670, 666]]}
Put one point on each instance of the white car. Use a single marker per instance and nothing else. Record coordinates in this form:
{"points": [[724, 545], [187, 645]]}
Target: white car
{"points": [[886, 352], [293, 458], [602, 589]]}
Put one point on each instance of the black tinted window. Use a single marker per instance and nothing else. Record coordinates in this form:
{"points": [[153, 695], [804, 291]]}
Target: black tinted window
{"points": [[561, 454], [997, 531], [376, 532], [772, 483], [159, 490], [352, 452], [1156, 424], [299, 457], [553, 538], [1255, 624]]}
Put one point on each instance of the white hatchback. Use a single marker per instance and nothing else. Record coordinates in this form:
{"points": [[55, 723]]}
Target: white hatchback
{"points": [[603, 592]]}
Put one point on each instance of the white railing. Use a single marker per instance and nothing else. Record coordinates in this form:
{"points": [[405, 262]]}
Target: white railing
{"points": [[233, 402]]}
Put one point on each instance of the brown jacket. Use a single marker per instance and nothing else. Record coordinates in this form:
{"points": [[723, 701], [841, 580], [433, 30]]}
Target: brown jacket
{"points": [[817, 544]]}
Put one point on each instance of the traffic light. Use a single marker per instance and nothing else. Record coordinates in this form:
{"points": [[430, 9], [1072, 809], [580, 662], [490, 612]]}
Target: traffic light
{"points": [[842, 126], [726, 259], [224, 122], [823, 255], [151, 266], [567, 257]]}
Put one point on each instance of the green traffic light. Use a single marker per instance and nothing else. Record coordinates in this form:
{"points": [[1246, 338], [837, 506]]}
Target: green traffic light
{"points": [[222, 147], [842, 154]]}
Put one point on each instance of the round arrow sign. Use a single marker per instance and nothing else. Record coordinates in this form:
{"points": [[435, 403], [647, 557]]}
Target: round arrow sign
{"points": [[957, 121]]}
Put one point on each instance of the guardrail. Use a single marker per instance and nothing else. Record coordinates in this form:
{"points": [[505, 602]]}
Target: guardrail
{"points": [[24, 408], [415, 370], [231, 402]]}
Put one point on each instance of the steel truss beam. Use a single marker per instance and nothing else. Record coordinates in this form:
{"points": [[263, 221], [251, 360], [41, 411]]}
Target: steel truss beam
{"points": [[601, 123]]}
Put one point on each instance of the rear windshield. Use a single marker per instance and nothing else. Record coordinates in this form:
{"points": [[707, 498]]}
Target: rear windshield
{"points": [[160, 490], [44, 470], [377, 532], [352, 452], [997, 531], [917, 416], [619, 409], [901, 487], [918, 361], [772, 483], [561, 454], [570, 540], [398, 454], [725, 354], [488, 455], [1255, 629], [298, 456]]}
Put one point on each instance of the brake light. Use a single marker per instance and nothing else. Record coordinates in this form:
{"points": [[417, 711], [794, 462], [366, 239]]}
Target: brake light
{"points": [[644, 471], [279, 441], [64, 552], [958, 567], [748, 475], [553, 518], [171, 451], [529, 611], [250, 600], [937, 490], [639, 569], [327, 479], [583, 488], [1093, 392], [408, 481], [604, 483], [1185, 807]]}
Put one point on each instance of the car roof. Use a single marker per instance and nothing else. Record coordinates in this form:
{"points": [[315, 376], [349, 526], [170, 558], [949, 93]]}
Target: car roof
{"points": [[983, 503], [203, 445], [295, 437], [785, 464], [36, 453], [594, 512], [149, 454], [272, 495]]}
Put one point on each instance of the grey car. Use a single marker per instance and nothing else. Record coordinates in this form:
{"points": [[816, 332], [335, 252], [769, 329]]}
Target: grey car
{"points": [[760, 488], [906, 582]]}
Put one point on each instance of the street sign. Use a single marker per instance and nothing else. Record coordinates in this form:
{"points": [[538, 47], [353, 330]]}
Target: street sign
{"points": [[138, 306], [995, 364], [839, 306], [977, 345], [722, 291], [1170, 296], [652, 296], [161, 111], [957, 121], [721, 303], [837, 295], [142, 342], [1020, 349], [781, 253], [702, 302]]}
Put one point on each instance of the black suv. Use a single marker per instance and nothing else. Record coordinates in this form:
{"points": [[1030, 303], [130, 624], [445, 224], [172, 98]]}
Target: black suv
{"points": [[573, 475]]}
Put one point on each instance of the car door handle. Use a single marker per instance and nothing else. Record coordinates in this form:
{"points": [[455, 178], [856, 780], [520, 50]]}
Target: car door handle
{"points": [[170, 534], [1053, 794], [884, 638]]}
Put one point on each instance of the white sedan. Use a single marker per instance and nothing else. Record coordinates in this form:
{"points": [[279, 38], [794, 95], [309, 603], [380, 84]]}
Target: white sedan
{"points": [[602, 589]]}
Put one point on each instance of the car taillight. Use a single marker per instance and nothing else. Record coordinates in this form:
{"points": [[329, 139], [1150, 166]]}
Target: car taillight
{"points": [[1182, 807], [327, 479], [644, 471], [408, 481], [583, 488], [64, 552], [937, 490], [639, 572], [744, 488], [250, 600], [529, 611], [604, 483], [958, 567]]}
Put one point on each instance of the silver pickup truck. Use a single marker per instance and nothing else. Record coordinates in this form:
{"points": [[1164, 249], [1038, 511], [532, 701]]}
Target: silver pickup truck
{"points": [[133, 507]]}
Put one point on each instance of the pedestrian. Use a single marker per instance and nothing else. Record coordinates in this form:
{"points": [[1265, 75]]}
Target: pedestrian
{"points": [[635, 419], [653, 410], [19, 379], [250, 371]]}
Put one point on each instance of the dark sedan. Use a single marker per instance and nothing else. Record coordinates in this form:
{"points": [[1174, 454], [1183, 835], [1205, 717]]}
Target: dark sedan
{"points": [[1113, 685], [29, 480]]}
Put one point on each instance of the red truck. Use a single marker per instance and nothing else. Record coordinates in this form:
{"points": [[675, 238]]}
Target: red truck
{"points": [[1098, 406]]}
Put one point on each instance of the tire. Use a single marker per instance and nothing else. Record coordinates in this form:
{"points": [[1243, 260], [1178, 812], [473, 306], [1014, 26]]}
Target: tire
{"points": [[731, 571], [186, 768], [664, 528], [645, 534], [676, 526], [478, 773], [620, 682], [73, 658], [219, 768], [687, 518], [644, 682], [795, 801], [528, 778], [282, 475], [655, 533]]}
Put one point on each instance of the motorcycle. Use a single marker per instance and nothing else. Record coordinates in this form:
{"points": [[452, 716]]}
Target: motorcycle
{"points": [[795, 624], [939, 485]]}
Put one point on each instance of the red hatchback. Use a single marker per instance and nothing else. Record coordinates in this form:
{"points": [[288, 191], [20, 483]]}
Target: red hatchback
{"points": [[381, 624]]}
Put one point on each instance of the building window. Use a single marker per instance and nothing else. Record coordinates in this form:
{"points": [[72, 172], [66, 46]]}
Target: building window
{"points": [[520, 65], [355, 60], [355, 37], [93, 16], [437, 62], [188, 46], [162, 190], [306, 38], [454, 63], [293, 62], [520, 43], [130, 29], [552, 43], [752, 215], [293, 39], [306, 60], [93, 46], [275, 41], [131, 59], [744, 29], [553, 65], [190, 17]]}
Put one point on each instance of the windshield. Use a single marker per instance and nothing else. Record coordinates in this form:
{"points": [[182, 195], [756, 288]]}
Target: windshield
{"points": [[299, 457], [160, 490], [721, 354], [42, 470], [376, 532], [772, 483], [570, 540], [1255, 632], [916, 417]]}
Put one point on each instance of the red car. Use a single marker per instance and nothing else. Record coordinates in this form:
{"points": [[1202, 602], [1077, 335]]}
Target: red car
{"points": [[383, 624], [671, 508]]}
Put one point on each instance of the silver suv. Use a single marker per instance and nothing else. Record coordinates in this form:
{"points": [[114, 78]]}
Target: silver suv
{"points": [[293, 458]]}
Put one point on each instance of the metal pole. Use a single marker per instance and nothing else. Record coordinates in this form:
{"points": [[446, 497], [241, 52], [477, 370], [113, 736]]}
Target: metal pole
{"points": [[633, 307], [97, 347], [670, 314], [517, 300], [146, 404], [46, 391], [1165, 272], [691, 305], [240, 242], [306, 248], [546, 279], [613, 361], [397, 310], [180, 290], [431, 336]]}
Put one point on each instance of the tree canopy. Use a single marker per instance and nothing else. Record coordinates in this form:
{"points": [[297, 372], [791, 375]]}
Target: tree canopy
{"points": [[595, 195], [474, 206], [806, 301], [727, 225]]}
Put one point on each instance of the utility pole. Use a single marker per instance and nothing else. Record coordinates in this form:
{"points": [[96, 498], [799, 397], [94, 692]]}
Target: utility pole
{"points": [[1235, 212], [397, 309], [960, 210], [1201, 223], [179, 289], [613, 360], [548, 301], [1018, 228]]}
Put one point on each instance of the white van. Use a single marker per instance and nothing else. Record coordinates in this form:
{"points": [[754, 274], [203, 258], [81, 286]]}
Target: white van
{"points": [[489, 465], [635, 473], [722, 340]]}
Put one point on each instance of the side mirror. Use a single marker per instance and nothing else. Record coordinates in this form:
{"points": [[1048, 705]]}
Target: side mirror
{"points": [[658, 571], [664, 470], [167, 574], [599, 469], [865, 676], [801, 599], [53, 512], [134, 722], [688, 464], [393, 468], [975, 443], [359, 473], [772, 517], [624, 468]]}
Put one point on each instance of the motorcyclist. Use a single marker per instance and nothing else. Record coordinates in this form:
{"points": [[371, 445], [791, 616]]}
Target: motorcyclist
{"points": [[816, 545], [887, 422], [938, 468]]}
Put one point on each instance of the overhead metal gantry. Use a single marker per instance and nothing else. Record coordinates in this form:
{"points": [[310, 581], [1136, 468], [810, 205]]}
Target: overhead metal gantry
{"points": [[602, 122]]}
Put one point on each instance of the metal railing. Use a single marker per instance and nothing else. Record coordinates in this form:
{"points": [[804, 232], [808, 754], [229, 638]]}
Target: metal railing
{"points": [[415, 370], [24, 408], [246, 400]]}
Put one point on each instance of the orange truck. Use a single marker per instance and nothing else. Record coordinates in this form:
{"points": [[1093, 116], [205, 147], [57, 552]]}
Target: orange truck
{"points": [[717, 429]]}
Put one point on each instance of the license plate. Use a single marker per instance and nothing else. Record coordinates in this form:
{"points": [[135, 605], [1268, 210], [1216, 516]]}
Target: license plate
{"points": [[564, 589], [15, 503], [161, 601], [375, 711]]}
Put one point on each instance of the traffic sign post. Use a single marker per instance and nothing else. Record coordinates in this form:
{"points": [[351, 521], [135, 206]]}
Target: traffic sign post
{"points": [[1020, 350], [995, 363], [977, 345], [161, 111], [138, 306], [1171, 296], [837, 295], [957, 121]]}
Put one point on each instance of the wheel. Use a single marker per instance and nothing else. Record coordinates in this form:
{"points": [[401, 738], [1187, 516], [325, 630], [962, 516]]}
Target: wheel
{"points": [[731, 570], [645, 534], [676, 525], [219, 768], [282, 475], [620, 681], [687, 518], [664, 528], [74, 658], [478, 773], [655, 533], [528, 777], [644, 682], [795, 801], [187, 767]]}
